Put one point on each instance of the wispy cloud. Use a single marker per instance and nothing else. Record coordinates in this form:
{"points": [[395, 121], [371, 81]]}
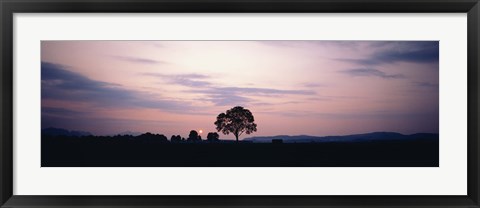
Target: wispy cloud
{"points": [[275, 103], [199, 80], [426, 84], [189, 80], [264, 91], [388, 52], [227, 99], [361, 115], [138, 60], [367, 72], [225, 96], [221, 95], [367, 61], [61, 84], [313, 85], [61, 112]]}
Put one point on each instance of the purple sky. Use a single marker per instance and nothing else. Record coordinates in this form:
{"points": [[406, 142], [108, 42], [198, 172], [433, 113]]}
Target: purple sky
{"points": [[292, 87]]}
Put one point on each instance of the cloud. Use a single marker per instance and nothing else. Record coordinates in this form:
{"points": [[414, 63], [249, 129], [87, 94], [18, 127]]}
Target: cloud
{"points": [[362, 116], [226, 99], [360, 61], [189, 80], [388, 52], [426, 84], [61, 84], [226, 96], [264, 91], [313, 85], [61, 112], [223, 96], [276, 103], [333, 98], [367, 72], [138, 60]]}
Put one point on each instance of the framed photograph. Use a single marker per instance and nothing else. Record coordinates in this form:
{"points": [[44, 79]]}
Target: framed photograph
{"points": [[155, 110], [239, 104]]}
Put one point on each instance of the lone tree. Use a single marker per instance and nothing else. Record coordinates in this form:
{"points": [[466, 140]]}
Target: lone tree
{"points": [[237, 120]]}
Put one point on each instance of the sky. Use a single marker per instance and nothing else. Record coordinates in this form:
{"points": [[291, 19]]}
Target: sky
{"points": [[316, 88]]}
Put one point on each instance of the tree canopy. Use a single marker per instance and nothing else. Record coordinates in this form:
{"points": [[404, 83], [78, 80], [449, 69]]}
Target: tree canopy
{"points": [[193, 136], [213, 137], [237, 121]]}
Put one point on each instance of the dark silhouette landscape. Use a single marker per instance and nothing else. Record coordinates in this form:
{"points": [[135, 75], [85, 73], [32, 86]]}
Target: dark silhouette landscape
{"points": [[63, 148], [264, 103]]}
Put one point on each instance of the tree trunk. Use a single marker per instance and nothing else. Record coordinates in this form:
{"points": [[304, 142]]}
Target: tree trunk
{"points": [[236, 136]]}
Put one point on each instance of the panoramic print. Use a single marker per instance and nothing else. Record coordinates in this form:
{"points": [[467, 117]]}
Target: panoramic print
{"points": [[291, 103]]}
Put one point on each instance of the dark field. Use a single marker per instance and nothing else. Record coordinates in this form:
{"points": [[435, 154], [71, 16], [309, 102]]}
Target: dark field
{"points": [[87, 152]]}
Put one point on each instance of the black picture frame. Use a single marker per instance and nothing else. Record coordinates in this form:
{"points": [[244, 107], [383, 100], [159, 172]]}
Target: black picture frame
{"points": [[10, 7]]}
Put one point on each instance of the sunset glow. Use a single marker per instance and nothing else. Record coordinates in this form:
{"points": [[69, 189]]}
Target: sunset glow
{"points": [[291, 87]]}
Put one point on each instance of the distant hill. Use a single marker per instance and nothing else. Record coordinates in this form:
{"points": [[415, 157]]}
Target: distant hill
{"points": [[63, 132], [375, 136]]}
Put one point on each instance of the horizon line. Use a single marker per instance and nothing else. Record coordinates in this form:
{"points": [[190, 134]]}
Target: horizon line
{"points": [[278, 135]]}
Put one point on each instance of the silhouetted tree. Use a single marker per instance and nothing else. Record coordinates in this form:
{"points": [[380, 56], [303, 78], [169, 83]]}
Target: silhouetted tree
{"points": [[149, 137], [237, 120], [145, 136], [161, 137], [212, 137], [176, 138], [193, 136]]}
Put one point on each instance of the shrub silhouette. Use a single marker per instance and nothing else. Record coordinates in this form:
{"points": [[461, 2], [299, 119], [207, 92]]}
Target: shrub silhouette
{"points": [[237, 121], [175, 138], [149, 137], [213, 137], [193, 136]]}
